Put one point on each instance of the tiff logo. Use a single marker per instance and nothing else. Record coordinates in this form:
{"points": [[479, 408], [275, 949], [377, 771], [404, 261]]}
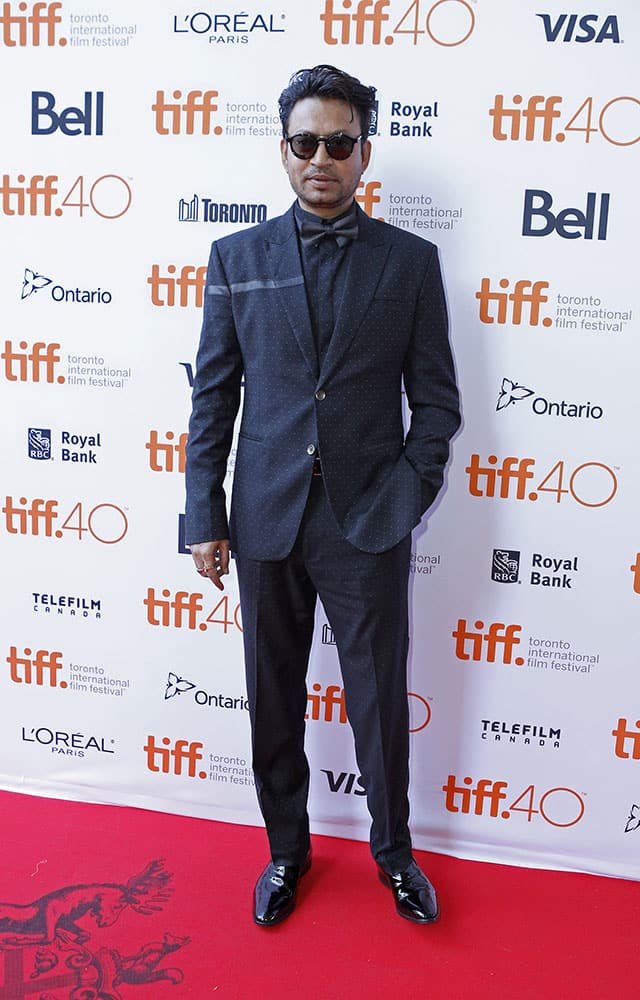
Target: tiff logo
{"points": [[525, 293], [367, 196], [37, 365], [199, 106], [29, 26], [513, 470], [458, 797], [362, 17], [163, 454], [635, 569], [333, 698], [627, 739], [190, 284], [183, 609], [538, 109], [41, 669], [172, 758], [469, 643]]}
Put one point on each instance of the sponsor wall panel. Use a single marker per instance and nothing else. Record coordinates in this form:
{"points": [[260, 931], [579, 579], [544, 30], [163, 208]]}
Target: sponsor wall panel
{"points": [[507, 135]]}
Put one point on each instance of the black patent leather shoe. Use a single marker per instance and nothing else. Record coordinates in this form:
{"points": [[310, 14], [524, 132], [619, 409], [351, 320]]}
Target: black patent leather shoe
{"points": [[275, 893], [414, 895]]}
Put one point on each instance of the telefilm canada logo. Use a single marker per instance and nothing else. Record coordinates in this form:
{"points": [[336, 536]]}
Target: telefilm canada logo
{"points": [[512, 393], [33, 283]]}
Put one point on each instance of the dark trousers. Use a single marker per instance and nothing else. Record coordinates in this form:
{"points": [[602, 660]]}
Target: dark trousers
{"points": [[365, 599]]}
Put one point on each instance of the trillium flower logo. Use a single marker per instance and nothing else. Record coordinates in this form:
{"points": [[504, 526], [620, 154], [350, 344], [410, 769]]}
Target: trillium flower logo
{"points": [[511, 392], [633, 820], [33, 282], [176, 685]]}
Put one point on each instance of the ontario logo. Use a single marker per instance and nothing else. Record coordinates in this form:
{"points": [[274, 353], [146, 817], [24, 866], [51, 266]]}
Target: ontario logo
{"points": [[177, 686], [512, 392], [32, 283]]}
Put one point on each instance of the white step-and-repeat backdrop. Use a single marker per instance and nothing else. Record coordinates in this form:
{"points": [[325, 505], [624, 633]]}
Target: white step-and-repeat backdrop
{"points": [[507, 133]]}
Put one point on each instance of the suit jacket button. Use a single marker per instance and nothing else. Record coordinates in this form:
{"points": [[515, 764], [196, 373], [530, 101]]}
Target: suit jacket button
{"points": [[311, 449], [320, 395]]}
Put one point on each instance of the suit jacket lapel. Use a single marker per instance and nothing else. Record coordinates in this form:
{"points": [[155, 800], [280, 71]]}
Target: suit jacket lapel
{"points": [[285, 264], [368, 257]]}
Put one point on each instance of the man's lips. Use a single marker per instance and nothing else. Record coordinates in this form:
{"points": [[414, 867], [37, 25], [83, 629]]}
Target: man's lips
{"points": [[320, 178]]}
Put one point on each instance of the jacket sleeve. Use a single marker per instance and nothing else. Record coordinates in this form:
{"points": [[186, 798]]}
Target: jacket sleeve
{"points": [[430, 384], [215, 402]]}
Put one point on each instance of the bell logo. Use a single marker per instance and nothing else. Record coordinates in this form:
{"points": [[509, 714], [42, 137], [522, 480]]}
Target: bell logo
{"points": [[190, 283], [567, 223], [627, 739], [367, 196], [635, 569], [498, 634], [41, 669], [37, 365], [70, 121], [564, 28], [163, 455], [181, 117], [37, 28], [529, 293], [172, 758]]}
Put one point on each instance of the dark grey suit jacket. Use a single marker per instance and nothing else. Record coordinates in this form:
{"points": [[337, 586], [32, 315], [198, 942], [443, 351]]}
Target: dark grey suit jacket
{"points": [[391, 327]]}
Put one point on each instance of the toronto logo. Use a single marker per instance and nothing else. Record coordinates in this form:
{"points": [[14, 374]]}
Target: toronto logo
{"points": [[45, 944]]}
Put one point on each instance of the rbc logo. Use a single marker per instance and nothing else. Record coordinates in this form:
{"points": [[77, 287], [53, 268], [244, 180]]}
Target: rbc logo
{"points": [[588, 28], [505, 565], [39, 443], [70, 121], [569, 222]]}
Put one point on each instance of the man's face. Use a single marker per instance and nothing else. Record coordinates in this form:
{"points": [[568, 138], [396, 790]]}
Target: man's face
{"points": [[325, 186]]}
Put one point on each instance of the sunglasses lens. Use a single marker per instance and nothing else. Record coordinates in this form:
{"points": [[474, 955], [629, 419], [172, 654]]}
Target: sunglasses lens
{"points": [[340, 147], [304, 146]]}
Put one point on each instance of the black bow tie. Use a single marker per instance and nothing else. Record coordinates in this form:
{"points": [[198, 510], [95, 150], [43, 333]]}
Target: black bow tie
{"points": [[342, 230]]}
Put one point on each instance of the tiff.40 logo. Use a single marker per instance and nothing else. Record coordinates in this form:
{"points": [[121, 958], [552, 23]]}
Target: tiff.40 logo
{"points": [[560, 807], [184, 610], [537, 119], [445, 22], [591, 484]]}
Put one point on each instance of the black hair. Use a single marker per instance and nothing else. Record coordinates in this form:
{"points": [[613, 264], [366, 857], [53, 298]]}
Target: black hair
{"points": [[327, 81]]}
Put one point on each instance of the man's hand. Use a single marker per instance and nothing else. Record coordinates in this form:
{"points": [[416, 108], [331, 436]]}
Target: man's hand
{"points": [[212, 560]]}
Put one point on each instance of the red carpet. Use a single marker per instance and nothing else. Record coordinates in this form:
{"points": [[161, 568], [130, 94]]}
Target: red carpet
{"points": [[183, 928]]}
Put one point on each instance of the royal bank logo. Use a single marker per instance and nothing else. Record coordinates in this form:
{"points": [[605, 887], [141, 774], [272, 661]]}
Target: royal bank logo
{"points": [[199, 209], [511, 393], [39, 443], [505, 566]]}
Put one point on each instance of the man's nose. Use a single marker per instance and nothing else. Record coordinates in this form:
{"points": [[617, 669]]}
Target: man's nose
{"points": [[321, 157]]}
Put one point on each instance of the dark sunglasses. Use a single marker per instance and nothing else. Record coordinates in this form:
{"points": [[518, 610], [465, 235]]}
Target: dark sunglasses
{"points": [[338, 146]]}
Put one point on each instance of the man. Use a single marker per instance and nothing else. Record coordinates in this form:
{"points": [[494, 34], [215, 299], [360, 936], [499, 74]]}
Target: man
{"points": [[325, 314]]}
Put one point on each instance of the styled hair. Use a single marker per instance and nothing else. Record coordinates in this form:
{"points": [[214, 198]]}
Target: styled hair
{"points": [[327, 81]]}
